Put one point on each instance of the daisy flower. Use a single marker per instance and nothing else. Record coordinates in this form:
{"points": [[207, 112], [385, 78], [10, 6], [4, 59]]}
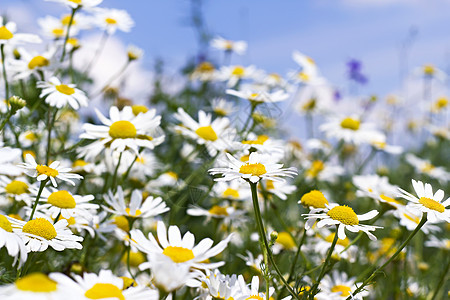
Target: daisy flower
{"points": [[233, 74], [65, 203], [52, 172], [322, 171], [13, 243], [239, 47], [440, 243], [137, 208], [58, 94], [17, 189], [410, 220], [279, 189], [253, 291], [314, 199], [315, 98], [376, 187], [307, 65], [427, 202], [338, 286], [259, 96], [31, 62], [220, 286], [325, 239], [8, 158], [213, 134], [256, 168], [252, 261], [78, 3], [262, 143], [425, 166], [40, 233], [112, 20], [233, 190], [222, 107], [227, 213], [9, 36], [204, 71], [105, 285], [122, 131], [342, 216], [179, 249]]}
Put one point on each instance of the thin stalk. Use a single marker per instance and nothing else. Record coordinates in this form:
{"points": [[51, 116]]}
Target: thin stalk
{"points": [[41, 188], [99, 50], [2, 51], [50, 123], [74, 10], [115, 172], [5, 120], [129, 168], [399, 250], [265, 245], [111, 79], [57, 217], [441, 281]]}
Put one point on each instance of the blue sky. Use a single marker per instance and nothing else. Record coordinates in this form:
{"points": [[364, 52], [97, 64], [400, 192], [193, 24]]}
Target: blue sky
{"points": [[330, 31]]}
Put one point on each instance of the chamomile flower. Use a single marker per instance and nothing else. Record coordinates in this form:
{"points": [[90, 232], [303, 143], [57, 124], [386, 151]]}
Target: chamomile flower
{"points": [[426, 167], [262, 143], [58, 94], [252, 261], [427, 202], [253, 291], [220, 286], [259, 96], [204, 71], [78, 3], [322, 171], [314, 199], [52, 172], [112, 20], [8, 35], [12, 242], [239, 47], [31, 62], [53, 28], [222, 107], [410, 220], [325, 239], [213, 134], [227, 213], [308, 68], [233, 74], [256, 168], [440, 243], [279, 188], [338, 286], [8, 159], [122, 131], [137, 208], [17, 189], [233, 190], [38, 234], [65, 203], [376, 187], [105, 285], [342, 216], [179, 249]]}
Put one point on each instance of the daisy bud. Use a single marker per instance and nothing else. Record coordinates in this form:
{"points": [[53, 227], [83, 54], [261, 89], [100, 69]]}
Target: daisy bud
{"points": [[273, 237], [16, 103]]}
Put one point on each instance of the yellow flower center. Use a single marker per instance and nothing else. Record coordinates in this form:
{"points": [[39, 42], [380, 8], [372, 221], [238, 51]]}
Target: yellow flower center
{"points": [[428, 70], [205, 67], [218, 211], [315, 199], [232, 193], [31, 136], [441, 103], [127, 281], [137, 213], [137, 109], [303, 76], [5, 34], [286, 240], [58, 32], [44, 170], [309, 105], [345, 290], [316, 167], [62, 199], [345, 242], [122, 223], [245, 158], [343, 214], [259, 141], [79, 163], [38, 62], [238, 71], [40, 227], [122, 130], [136, 258], [172, 174], [104, 290], [36, 283], [66, 20], [111, 21], [16, 187], [65, 89], [412, 218], [254, 297], [206, 133], [79, 2], [253, 169], [432, 204], [270, 185], [178, 254], [5, 224], [427, 167], [389, 199], [349, 123]]}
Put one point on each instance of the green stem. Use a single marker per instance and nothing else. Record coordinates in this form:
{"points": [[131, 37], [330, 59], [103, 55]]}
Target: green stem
{"points": [[125, 176], [74, 10], [50, 123], [41, 188], [97, 53], [5, 120], [57, 217], [115, 172], [441, 281], [2, 51], [325, 264], [265, 245], [374, 273]]}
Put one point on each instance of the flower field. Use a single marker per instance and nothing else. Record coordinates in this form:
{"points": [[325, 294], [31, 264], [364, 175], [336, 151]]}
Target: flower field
{"points": [[237, 184]]}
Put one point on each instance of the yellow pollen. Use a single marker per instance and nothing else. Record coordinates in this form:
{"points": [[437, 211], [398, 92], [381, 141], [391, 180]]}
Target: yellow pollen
{"points": [[138, 212], [72, 41], [253, 169], [245, 158], [238, 71], [36, 283], [254, 297], [122, 130], [349, 123], [111, 21], [230, 193], [62, 199], [389, 199], [441, 103], [5, 34], [31, 136], [316, 167], [104, 290], [345, 242], [38, 62], [275, 77], [343, 214], [286, 240], [303, 76], [58, 32], [178, 254], [77, 1], [427, 167], [315, 199], [122, 223], [127, 281], [218, 211], [40, 227], [66, 20], [205, 67], [136, 258], [65, 89], [380, 145], [137, 109], [16, 187], [228, 45], [345, 290], [270, 185], [412, 218], [432, 204], [79, 163], [206, 133], [5, 224], [429, 70], [309, 105], [172, 174], [44, 170], [259, 141]]}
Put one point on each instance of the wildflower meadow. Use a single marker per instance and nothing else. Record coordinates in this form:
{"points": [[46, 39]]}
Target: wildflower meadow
{"points": [[226, 181]]}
